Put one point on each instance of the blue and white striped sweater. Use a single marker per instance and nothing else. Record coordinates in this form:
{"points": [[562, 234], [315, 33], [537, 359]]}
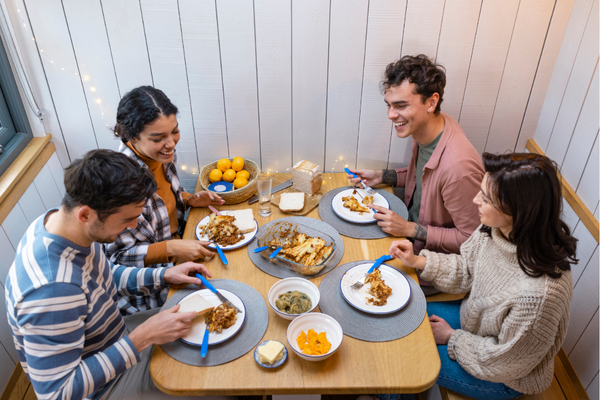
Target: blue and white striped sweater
{"points": [[61, 302]]}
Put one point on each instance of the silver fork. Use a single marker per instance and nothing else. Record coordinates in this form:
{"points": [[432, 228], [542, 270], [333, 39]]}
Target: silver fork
{"points": [[359, 283], [369, 189]]}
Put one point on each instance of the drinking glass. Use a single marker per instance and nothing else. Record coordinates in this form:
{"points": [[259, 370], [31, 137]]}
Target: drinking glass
{"points": [[263, 187]]}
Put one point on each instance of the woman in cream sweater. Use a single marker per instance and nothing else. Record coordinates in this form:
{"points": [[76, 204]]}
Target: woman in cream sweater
{"points": [[500, 341]]}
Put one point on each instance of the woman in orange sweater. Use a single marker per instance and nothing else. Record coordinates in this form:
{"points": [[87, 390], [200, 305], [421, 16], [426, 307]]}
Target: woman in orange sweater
{"points": [[147, 125]]}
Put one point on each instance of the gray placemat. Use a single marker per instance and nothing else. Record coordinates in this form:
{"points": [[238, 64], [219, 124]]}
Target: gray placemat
{"points": [[255, 326], [370, 327], [279, 271], [351, 229]]}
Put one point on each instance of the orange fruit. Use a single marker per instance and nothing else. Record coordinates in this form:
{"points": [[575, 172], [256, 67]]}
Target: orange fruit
{"points": [[237, 164], [240, 183], [215, 175], [243, 174], [229, 175], [223, 164]]}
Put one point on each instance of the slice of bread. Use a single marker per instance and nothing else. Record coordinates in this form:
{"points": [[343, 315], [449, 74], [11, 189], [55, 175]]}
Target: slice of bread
{"points": [[291, 201], [195, 303], [244, 219], [306, 177]]}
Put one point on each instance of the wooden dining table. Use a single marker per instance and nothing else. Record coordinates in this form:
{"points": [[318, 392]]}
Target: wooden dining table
{"points": [[407, 365]]}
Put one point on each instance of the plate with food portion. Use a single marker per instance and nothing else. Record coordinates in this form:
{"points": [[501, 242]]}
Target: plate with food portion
{"points": [[232, 229], [224, 321], [351, 205], [385, 290]]}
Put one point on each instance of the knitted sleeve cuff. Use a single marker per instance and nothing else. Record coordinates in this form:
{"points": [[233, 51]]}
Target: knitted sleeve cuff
{"points": [[451, 343], [430, 271]]}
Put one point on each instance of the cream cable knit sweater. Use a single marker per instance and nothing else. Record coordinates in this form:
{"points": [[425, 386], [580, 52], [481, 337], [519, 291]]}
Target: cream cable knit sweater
{"points": [[512, 324]]}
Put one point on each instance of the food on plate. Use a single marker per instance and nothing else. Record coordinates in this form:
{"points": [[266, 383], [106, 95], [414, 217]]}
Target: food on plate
{"points": [[215, 175], [243, 174], [222, 317], [270, 352], [244, 219], [291, 201], [229, 175], [195, 303], [379, 290], [223, 164], [306, 177], [303, 249], [293, 302], [352, 203], [237, 164], [240, 182], [222, 230], [313, 344]]}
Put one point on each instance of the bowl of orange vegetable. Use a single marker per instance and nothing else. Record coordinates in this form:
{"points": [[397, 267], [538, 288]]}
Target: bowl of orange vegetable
{"points": [[240, 172], [314, 336]]}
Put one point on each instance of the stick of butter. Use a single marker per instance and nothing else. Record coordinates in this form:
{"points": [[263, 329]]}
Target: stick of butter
{"points": [[270, 352]]}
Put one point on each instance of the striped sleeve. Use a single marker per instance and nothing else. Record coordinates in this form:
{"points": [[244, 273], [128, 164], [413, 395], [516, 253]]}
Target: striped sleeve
{"points": [[138, 281], [52, 323]]}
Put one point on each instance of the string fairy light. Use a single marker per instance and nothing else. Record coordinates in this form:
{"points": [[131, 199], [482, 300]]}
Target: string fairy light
{"points": [[86, 78]]}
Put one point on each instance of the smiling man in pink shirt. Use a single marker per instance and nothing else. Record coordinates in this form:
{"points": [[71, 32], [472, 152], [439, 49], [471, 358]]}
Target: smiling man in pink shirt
{"points": [[444, 171]]}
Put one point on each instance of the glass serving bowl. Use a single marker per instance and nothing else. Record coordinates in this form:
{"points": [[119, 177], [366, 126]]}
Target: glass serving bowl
{"points": [[283, 230]]}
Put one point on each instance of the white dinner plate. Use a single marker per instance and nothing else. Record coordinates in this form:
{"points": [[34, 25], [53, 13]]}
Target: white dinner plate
{"points": [[337, 204], [358, 298], [247, 236], [199, 326]]}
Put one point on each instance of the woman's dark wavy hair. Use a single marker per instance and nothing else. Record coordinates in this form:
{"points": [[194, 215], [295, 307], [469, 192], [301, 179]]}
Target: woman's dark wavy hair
{"points": [[526, 187], [106, 180], [428, 77], [139, 107]]}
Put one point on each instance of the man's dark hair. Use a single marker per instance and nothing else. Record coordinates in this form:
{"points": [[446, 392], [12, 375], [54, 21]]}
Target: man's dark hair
{"points": [[140, 107], [105, 181], [526, 187], [428, 77]]}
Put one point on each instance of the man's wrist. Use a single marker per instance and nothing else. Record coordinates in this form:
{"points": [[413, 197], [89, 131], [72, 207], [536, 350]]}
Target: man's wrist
{"points": [[389, 177], [419, 232]]}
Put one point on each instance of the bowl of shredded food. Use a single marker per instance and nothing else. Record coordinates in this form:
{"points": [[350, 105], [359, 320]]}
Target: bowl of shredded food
{"points": [[314, 336], [292, 297], [304, 250]]}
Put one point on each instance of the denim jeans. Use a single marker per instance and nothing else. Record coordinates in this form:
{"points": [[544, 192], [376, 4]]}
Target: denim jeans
{"points": [[452, 375]]}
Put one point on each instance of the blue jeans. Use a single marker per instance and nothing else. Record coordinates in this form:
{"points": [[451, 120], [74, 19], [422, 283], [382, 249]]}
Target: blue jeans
{"points": [[452, 375]]}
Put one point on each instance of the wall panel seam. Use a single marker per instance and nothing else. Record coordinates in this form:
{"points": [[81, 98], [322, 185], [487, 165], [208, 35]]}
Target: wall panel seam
{"points": [[112, 57], [222, 82], [362, 85], [146, 41], [584, 268], [512, 33], [537, 68], [87, 104], [583, 332], [586, 161], [567, 85]]}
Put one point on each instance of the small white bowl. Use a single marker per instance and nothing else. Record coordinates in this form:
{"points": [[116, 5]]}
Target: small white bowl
{"points": [[319, 323], [289, 284]]}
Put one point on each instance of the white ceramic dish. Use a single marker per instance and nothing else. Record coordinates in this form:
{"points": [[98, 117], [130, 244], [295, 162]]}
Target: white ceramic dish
{"points": [[247, 236], [276, 363], [319, 323], [299, 284], [198, 327], [337, 204], [358, 298]]}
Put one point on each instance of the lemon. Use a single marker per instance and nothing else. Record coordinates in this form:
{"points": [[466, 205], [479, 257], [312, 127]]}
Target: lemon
{"points": [[237, 164], [223, 164], [229, 175], [243, 174], [215, 175], [240, 182]]}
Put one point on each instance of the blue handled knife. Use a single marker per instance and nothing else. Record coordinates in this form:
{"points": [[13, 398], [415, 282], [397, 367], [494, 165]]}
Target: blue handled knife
{"points": [[221, 254], [215, 291], [204, 347]]}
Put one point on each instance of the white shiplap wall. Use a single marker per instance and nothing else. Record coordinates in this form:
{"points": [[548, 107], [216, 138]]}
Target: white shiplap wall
{"points": [[278, 81], [567, 131], [44, 193]]}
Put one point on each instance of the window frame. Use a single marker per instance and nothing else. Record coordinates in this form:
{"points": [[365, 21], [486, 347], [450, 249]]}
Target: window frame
{"points": [[14, 103]]}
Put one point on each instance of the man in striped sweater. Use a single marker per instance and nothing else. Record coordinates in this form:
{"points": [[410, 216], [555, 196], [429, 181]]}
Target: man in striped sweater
{"points": [[61, 291]]}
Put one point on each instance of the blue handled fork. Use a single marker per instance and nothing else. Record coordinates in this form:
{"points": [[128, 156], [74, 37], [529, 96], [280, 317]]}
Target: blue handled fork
{"points": [[369, 190], [359, 283]]}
